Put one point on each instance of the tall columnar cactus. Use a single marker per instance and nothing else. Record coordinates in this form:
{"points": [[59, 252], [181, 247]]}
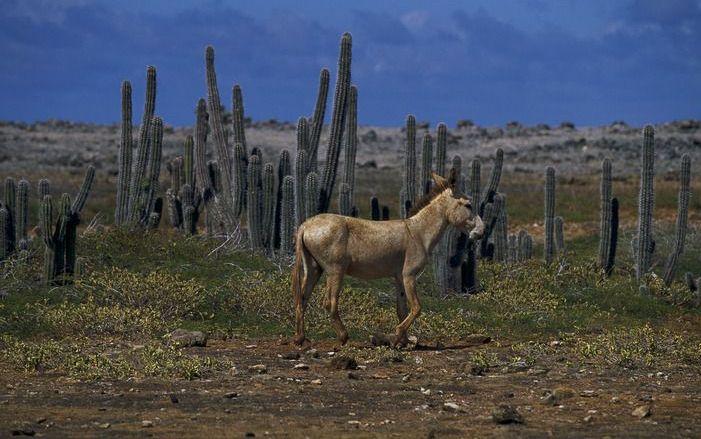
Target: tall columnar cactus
{"points": [[254, 203], [491, 215], [239, 183], [338, 118], [46, 222], [560, 236], [237, 119], [549, 250], [410, 160], [494, 178], [287, 217], [125, 158], [682, 219], [426, 164], [318, 119], [513, 248], [188, 168], [284, 168], [300, 178], [311, 195], [22, 215], [470, 282], [9, 229], [139, 176], [145, 201], [385, 213], [475, 182], [374, 208], [605, 214], [345, 205], [613, 241], [43, 188], [4, 233], [645, 245], [303, 142], [501, 234], [441, 144], [351, 145], [268, 206]]}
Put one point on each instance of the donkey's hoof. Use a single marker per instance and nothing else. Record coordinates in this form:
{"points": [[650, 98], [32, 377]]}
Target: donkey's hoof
{"points": [[400, 341], [302, 343]]}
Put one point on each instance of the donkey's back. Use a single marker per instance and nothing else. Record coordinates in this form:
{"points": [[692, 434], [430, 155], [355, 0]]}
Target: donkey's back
{"points": [[361, 248]]}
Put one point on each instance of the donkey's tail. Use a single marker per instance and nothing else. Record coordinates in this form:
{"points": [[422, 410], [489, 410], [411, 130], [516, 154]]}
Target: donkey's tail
{"points": [[299, 271]]}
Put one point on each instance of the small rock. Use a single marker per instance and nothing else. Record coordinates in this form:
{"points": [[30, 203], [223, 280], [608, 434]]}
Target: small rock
{"points": [[250, 434], [588, 394], [40, 420], [537, 371], [231, 395], [561, 393], [24, 431], [641, 411], [316, 381], [251, 346], [380, 340], [587, 418], [549, 399], [258, 368], [506, 414], [146, 423], [104, 425], [451, 407], [343, 362], [185, 338], [518, 366], [301, 366], [406, 378], [313, 353], [291, 356]]}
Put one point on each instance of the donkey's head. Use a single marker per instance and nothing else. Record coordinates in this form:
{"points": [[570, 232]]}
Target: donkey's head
{"points": [[459, 212]]}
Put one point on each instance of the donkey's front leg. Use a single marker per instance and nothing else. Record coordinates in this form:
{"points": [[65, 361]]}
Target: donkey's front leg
{"points": [[414, 310], [402, 309]]}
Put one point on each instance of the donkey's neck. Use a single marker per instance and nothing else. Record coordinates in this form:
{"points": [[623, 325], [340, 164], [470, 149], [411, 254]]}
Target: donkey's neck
{"points": [[428, 225]]}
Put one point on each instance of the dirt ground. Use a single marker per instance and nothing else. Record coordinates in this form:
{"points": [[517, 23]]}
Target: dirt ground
{"points": [[433, 393]]}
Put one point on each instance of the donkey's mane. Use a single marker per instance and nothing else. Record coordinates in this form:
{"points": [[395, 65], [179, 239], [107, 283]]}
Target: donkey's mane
{"points": [[436, 190]]}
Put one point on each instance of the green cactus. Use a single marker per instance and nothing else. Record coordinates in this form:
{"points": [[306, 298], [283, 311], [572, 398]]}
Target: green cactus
{"points": [[501, 233], [46, 222], [84, 191], [645, 245], [241, 163], [10, 222], [238, 120], [125, 157], [605, 214], [150, 185], [284, 169], [613, 241], [268, 206], [140, 166], [404, 203], [374, 208], [513, 248], [300, 178], [410, 161], [426, 164], [4, 233], [175, 209], [175, 168], [682, 219], [441, 144], [549, 250], [43, 188], [351, 145], [494, 177], [468, 269], [385, 213], [22, 215], [287, 217], [318, 119], [303, 138], [311, 195], [254, 203], [345, 205], [475, 182], [337, 122], [188, 168]]}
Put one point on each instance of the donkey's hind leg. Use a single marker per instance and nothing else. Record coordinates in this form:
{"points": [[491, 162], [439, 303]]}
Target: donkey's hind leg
{"points": [[311, 278], [402, 309], [334, 282]]}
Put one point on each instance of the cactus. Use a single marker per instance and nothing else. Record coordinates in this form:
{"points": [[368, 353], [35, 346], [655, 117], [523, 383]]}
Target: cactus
{"points": [[237, 119], [475, 181], [188, 160], [303, 142], [351, 145], [549, 250], [146, 198], [239, 184], [10, 221], [501, 233], [559, 236], [46, 221], [385, 213], [43, 188], [469, 281], [318, 119], [283, 169], [4, 233], [645, 246], [691, 283], [22, 215], [254, 203], [613, 241], [410, 162], [84, 191], [374, 208], [337, 122], [605, 215], [494, 178], [268, 206], [345, 206], [311, 195], [287, 216], [140, 166], [426, 164], [175, 167], [491, 215], [682, 219], [125, 158], [300, 178], [513, 248], [441, 143]]}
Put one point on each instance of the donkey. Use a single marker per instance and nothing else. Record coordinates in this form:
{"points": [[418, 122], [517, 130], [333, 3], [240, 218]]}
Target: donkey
{"points": [[339, 245]]}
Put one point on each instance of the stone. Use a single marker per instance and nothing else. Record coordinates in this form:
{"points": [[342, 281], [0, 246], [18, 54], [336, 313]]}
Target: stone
{"points": [[185, 338], [343, 362], [231, 395], [291, 356], [561, 393], [301, 366], [258, 369], [316, 381], [452, 407], [587, 418], [146, 423], [506, 414], [641, 411]]}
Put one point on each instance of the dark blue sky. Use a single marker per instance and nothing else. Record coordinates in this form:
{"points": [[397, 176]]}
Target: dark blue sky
{"points": [[588, 61]]}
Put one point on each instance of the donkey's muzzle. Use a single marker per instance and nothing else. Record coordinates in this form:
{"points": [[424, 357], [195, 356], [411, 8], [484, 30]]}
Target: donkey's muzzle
{"points": [[477, 228]]}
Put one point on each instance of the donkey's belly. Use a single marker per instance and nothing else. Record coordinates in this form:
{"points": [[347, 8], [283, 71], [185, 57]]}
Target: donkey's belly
{"points": [[376, 267]]}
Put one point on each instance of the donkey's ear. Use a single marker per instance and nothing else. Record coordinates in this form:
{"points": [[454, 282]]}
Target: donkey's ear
{"points": [[452, 178], [440, 181]]}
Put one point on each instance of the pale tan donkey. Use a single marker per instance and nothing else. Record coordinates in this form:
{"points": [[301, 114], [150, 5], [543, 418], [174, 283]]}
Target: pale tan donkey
{"points": [[339, 245]]}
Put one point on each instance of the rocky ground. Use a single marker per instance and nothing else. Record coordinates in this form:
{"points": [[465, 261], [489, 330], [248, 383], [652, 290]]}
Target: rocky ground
{"points": [[275, 391], [571, 149]]}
